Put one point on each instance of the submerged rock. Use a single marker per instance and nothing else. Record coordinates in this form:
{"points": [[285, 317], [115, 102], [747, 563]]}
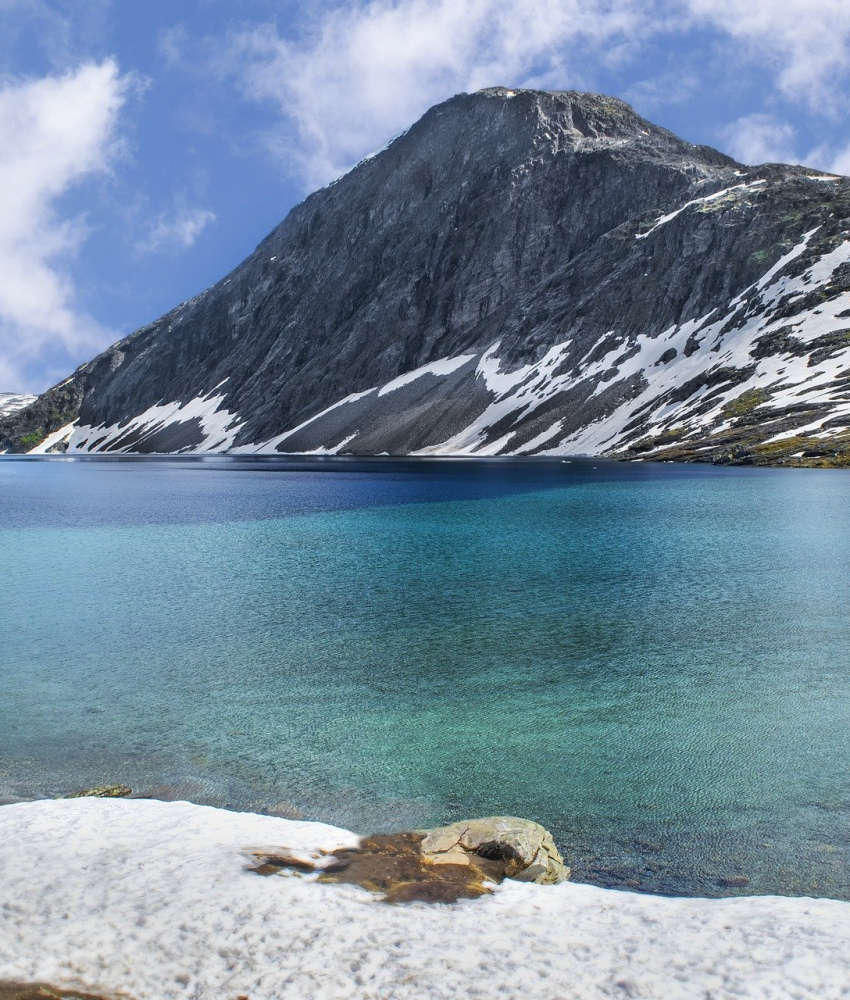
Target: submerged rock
{"points": [[102, 792], [525, 846], [733, 882]]}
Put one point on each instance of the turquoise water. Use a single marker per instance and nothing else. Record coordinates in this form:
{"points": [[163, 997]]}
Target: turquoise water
{"points": [[651, 660]]}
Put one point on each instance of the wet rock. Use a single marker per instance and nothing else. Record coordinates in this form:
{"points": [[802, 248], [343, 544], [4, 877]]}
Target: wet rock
{"points": [[733, 882], [41, 991], [525, 846], [392, 866], [273, 863], [102, 792], [163, 793], [285, 810], [462, 861]]}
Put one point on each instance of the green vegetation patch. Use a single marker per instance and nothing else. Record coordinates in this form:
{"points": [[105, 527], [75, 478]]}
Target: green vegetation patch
{"points": [[31, 440], [746, 402]]}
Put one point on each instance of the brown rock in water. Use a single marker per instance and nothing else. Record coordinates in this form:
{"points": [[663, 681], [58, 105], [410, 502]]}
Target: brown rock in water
{"points": [[733, 882], [102, 792], [41, 991], [285, 810], [525, 847], [444, 865], [393, 864]]}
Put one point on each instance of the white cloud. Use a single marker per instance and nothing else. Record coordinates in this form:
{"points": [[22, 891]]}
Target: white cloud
{"points": [[663, 90], [367, 69], [835, 161], [829, 158], [370, 69], [180, 230], [54, 132], [760, 138], [806, 42]]}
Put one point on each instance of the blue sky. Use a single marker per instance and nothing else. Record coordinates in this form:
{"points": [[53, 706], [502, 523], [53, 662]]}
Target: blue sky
{"points": [[146, 146]]}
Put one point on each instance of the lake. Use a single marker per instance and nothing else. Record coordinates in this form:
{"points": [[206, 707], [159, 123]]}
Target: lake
{"points": [[651, 660]]}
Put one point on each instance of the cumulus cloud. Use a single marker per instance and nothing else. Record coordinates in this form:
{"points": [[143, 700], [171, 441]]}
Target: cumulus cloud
{"points": [[760, 138], [364, 70], [179, 230], [805, 42], [369, 69], [54, 132]]}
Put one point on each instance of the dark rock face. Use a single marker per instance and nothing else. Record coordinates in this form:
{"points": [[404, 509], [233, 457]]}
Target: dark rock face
{"points": [[519, 273]]}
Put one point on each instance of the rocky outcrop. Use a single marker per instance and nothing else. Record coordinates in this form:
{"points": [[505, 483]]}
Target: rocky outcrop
{"points": [[523, 273], [461, 861], [525, 846]]}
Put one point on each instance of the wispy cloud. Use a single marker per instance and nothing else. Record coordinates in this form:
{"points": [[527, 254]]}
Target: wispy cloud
{"points": [[55, 132], [663, 90], [368, 69], [364, 70], [836, 161], [66, 30], [804, 43], [760, 138], [178, 230]]}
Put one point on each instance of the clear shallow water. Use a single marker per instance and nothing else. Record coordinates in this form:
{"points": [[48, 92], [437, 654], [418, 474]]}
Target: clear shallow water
{"points": [[652, 660]]}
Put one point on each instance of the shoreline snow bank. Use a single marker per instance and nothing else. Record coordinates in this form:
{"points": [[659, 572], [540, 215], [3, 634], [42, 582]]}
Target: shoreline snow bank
{"points": [[154, 900]]}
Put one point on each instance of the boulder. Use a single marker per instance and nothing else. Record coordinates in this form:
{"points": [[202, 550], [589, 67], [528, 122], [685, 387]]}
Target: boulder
{"points": [[526, 846]]}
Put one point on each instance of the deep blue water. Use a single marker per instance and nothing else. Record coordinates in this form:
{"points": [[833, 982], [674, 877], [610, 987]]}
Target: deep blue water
{"points": [[651, 660]]}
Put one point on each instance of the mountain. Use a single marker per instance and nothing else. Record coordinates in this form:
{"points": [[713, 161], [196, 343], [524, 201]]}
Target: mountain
{"points": [[521, 272]]}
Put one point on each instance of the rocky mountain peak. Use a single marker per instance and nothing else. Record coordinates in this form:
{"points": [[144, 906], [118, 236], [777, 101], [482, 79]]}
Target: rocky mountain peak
{"points": [[583, 115]]}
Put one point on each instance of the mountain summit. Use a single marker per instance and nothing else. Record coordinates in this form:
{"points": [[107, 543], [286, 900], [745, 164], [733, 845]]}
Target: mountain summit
{"points": [[522, 273]]}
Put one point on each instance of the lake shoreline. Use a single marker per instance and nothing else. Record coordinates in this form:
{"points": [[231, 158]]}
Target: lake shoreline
{"points": [[157, 900], [648, 659]]}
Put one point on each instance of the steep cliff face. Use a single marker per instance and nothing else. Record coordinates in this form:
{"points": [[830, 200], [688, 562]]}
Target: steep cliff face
{"points": [[519, 273]]}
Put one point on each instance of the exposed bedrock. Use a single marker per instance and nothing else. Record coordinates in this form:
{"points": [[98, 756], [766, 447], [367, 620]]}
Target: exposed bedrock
{"points": [[525, 845], [521, 272]]}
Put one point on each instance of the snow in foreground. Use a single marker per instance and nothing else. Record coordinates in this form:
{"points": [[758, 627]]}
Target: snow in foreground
{"points": [[153, 899]]}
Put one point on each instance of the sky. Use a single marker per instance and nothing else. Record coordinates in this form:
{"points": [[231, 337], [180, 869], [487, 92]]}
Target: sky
{"points": [[147, 146]]}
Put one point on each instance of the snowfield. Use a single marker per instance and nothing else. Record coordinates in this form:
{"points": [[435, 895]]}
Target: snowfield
{"points": [[152, 900], [11, 402]]}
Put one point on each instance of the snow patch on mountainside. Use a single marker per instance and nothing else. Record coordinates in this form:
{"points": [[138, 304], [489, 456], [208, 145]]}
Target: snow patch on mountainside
{"points": [[444, 367], [154, 900], [697, 201], [783, 379], [216, 428], [688, 380], [11, 402], [54, 441], [271, 446]]}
